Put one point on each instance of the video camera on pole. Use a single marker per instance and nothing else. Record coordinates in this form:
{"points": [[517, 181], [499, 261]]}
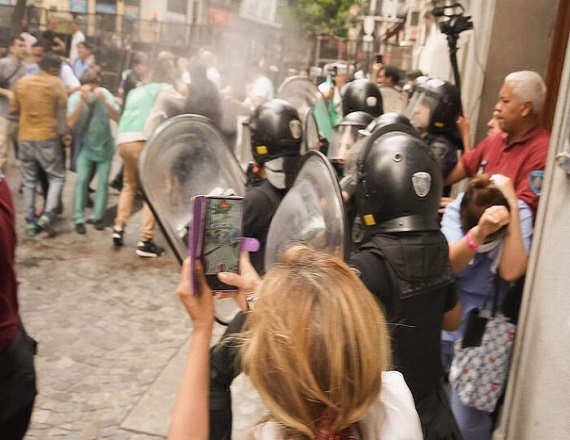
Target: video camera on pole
{"points": [[457, 23]]}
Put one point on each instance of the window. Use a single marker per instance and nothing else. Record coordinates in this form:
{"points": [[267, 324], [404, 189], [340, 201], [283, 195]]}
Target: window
{"points": [[106, 6], [178, 6]]}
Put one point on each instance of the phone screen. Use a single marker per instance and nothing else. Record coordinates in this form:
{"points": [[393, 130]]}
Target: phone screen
{"points": [[222, 238]]}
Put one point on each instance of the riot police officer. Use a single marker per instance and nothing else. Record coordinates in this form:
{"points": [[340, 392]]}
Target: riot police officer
{"points": [[405, 264], [361, 102], [433, 110], [276, 137], [362, 95], [350, 170], [346, 133]]}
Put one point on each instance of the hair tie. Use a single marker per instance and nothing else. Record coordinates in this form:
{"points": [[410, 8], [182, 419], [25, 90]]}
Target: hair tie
{"points": [[325, 432]]}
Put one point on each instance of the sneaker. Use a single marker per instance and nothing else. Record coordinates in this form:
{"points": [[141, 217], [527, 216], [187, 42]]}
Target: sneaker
{"points": [[45, 223], [117, 185], [80, 228], [118, 236], [149, 249], [31, 230]]}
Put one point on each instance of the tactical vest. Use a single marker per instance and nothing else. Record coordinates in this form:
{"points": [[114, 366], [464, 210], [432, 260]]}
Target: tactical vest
{"points": [[421, 278], [417, 261]]}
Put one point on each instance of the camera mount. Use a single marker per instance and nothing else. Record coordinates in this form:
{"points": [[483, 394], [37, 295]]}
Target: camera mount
{"points": [[456, 23]]}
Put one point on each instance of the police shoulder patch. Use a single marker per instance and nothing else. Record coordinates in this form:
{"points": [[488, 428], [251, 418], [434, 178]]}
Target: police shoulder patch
{"points": [[421, 182], [535, 179]]}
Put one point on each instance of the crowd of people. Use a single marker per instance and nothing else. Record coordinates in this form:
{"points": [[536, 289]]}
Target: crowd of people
{"points": [[336, 349]]}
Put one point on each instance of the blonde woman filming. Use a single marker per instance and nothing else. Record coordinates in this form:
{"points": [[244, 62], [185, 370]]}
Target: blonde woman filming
{"points": [[315, 347]]}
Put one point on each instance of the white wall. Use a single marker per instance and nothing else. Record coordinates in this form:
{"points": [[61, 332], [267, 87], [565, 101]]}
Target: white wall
{"points": [[537, 406]]}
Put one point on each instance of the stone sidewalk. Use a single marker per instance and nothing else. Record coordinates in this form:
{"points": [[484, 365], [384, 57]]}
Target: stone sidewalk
{"points": [[110, 329]]}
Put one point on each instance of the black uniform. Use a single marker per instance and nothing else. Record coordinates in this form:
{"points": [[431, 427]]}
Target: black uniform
{"points": [[409, 273], [259, 207], [444, 150]]}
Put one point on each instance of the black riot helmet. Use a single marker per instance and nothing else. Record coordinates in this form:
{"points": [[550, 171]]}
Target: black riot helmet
{"points": [[434, 107], [417, 82], [383, 120], [399, 182], [346, 133], [276, 131], [362, 95]]}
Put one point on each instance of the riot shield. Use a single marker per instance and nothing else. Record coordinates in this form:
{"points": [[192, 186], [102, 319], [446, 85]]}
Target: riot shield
{"points": [[234, 113], [312, 212], [187, 156], [310, 133], [300, 92]]}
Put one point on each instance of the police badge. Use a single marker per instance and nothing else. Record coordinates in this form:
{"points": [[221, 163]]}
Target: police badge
{"points": [[422, 183]]}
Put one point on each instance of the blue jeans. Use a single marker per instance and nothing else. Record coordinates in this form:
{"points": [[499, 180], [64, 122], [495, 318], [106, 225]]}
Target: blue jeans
{"points": [[46, 155], [473, 424]]}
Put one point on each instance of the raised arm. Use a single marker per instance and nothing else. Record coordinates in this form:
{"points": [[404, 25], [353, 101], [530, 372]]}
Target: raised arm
{"points": [[515, 257], [190, 418]]}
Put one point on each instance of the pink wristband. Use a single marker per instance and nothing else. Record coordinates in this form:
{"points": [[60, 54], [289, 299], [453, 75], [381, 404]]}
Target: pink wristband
{"points": [[470, 241]]}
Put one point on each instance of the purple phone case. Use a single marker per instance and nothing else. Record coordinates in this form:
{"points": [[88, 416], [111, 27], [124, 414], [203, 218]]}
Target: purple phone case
{"points": [[196, 234], [195, 242]]}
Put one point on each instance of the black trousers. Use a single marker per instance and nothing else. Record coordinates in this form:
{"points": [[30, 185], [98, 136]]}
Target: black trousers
{"points": [[17, 386], [436, 417], [16, 426]]}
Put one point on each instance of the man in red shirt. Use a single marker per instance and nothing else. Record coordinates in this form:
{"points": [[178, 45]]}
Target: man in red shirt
{"points": [[17, 376], [519, 151]]}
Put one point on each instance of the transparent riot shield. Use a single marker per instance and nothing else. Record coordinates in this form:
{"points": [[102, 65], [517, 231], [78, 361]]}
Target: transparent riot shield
{"points": [[310, 133], [188, 156], [234, 113], [312, 213], [300, 92]]}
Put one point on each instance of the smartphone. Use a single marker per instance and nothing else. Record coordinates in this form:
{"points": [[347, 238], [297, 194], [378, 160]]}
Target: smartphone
{"points": [[378, 59], [216, 236]]}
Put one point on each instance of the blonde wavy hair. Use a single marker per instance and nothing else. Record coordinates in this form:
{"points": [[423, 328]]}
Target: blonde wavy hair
{"points": [[316, 344]]}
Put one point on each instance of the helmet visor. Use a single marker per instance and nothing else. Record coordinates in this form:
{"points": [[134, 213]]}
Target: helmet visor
{"points": [[420, 110], [344, 137]]}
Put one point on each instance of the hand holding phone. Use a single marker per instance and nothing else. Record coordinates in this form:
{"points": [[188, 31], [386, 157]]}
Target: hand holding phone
{"points": [[199, 302], [246, 282]]}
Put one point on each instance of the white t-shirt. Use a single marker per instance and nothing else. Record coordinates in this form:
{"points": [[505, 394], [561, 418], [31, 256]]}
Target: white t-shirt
{"points": [[392, 417], [69, 80], [77, 38]]}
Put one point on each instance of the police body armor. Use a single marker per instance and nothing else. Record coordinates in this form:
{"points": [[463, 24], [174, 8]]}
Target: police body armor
{"points": [[397, 197], [421, 278]]}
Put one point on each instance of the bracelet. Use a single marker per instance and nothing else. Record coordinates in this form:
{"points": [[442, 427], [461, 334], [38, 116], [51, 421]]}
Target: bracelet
{"points": [[469, 240]]}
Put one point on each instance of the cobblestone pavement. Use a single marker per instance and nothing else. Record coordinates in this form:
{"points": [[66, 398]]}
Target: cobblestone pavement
{"points": [[107, 323]]}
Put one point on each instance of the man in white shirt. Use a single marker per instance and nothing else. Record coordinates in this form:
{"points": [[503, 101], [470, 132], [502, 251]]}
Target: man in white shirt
{"points": [[76, 38]]}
